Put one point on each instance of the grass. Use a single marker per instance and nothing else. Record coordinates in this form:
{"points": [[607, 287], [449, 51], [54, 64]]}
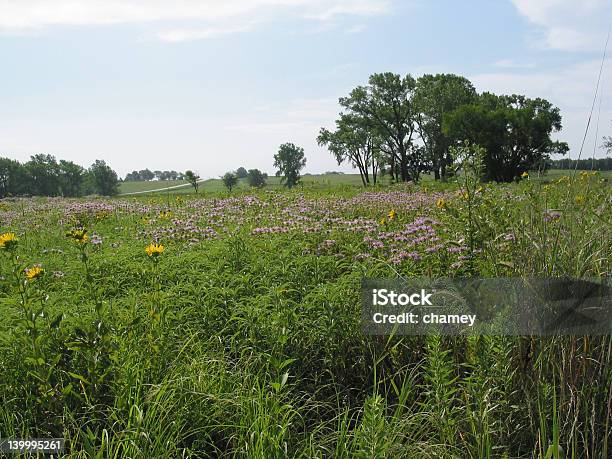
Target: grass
{"points": [[309, 181], [243, 338]]}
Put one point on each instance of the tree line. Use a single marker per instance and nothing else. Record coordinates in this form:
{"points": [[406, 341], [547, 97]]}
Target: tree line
{"points": [[146, 175], [43, 175], [406, 126]]}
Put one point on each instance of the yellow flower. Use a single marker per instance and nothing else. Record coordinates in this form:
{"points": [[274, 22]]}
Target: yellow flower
{"points": [[8, 240], [383, 221], [154, 250], [392, 214], [33, 272], [525, 174], [579, 199], [441, 203], [78, 235]]}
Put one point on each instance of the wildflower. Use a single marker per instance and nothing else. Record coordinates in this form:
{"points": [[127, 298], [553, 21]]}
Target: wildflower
{"points": [[78, 235], [441, 203], [96, 240], [510, 237], [392, 214], [382, 221], [551, 215], [525, 174], [8, 240], [154, 250], [579, 199], [33, 272]]}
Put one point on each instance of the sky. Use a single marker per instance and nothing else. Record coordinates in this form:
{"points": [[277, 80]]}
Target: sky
{"points": [[213, 85]]}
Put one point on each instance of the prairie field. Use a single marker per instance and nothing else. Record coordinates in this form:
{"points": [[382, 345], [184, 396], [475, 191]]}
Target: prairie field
{"points": [[228, 325]]}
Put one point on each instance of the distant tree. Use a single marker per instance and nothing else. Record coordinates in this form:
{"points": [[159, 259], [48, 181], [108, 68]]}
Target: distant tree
{"points": [[158, 175], [13, 178], [241, 173], [230, 179], [71, 177], [193, 179], [514, 130], [43, 175], [434, 97], [256, 178], [146, 174], [133, 176], [104, 179], [289, 160]]}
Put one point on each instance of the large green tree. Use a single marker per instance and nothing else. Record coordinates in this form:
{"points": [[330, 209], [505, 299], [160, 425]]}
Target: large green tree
{"points": [[289, 160], [514, 130], [71, 178], [43, 175], [13, 178], [386, 103], [104, 179], [434, 97]]}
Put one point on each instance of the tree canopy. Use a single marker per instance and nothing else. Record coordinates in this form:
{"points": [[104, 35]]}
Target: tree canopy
{"points": [[289, 160]]}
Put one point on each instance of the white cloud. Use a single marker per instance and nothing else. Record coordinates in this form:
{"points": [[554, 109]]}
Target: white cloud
{"points": [[569, 25], [512, 64], [213, 17]]}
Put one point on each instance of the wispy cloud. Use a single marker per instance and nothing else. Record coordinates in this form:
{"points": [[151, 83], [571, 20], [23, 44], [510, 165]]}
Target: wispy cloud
{"points": [[211, 17], [179, 35], [512, 64], [568, 25]]}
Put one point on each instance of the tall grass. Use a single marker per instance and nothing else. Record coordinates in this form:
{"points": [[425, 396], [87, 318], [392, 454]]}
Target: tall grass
{"points": [[248, 346]]}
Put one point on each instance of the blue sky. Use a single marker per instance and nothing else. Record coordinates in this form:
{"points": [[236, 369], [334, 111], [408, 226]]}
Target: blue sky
{"points": [[212, 85]]}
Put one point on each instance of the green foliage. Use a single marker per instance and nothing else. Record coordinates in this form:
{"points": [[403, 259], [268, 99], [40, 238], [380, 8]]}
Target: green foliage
{"points": [[250, 345], [193, 179], [230, 180], [104, 179], [241, 173], [514, 130], [256, 178], [289, 160]]}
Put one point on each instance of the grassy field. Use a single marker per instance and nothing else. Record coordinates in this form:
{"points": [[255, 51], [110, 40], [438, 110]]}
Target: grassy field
{"points": [[239, 335], [308, 181]]}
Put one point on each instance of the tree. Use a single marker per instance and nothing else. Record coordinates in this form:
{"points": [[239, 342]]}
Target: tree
{"points": [[43, 175], [13, 178], [354, 142], [290, 161], [256, 178], [146, 174], [193, 179], [71, 177], [241, 173], [434, 97], [230, 180], [386, 105], [104, 179], [514, 130], [133, 176]]}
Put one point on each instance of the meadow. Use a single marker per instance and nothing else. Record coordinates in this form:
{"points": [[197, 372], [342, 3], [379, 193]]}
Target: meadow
{"points": [[228, 325]]}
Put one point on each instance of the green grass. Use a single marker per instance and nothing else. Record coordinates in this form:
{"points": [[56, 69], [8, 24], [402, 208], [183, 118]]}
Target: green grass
{"points": [[243, 338]]}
